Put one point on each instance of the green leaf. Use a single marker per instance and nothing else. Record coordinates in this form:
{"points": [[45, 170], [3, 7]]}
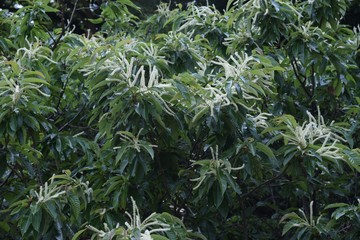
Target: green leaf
{"points": [[338, 213], [3, 114], [287, 227], [353, 159], [199, 115], [4, 226], [25, 223], [290, 154], [35, 80], [337, 84], [193, 235], [49, 9], [36, 220], [158, 237], [77, 235], [96, 20], [149, 149], [58, 145], [121, 151], [222, 182], [74, 202], [336, 205], [288, 119], [50, 207], [216, 194], [232, 183], [291, 216], [268, 152], [15, 67], [13, 123]]}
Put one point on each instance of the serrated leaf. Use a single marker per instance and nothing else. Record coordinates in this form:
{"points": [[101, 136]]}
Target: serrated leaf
{"points": [[74, 202], [115, 182], [353, 159]]}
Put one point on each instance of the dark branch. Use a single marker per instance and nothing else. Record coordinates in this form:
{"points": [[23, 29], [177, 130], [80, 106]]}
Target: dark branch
{"points": [[300, 79], [265, 183]]}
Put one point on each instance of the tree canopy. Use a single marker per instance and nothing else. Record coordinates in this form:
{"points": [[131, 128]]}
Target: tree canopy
{"points": [[191, 123]]}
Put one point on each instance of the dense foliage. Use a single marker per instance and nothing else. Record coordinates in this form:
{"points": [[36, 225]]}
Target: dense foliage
{"points": [[202, 124]]}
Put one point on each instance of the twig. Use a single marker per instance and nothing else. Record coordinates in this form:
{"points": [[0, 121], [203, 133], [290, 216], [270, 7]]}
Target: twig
{"points": [[72, 15], [19, 175], [265, 183], [302, 82], [71, 120], [298, 70], [63, 28]]}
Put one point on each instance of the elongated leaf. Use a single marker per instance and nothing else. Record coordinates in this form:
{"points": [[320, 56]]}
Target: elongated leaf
{"points": [[149, 150], [50, 207], [267, 151], [15, 67], [25, 224], [77, 235], [74, 201], [35, 80], [36, 220]]}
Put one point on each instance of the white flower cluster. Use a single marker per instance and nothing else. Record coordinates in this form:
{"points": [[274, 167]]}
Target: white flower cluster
{"points": [[314, 132], [213, 167], [145, 228], [47, 193], [260, 120]]}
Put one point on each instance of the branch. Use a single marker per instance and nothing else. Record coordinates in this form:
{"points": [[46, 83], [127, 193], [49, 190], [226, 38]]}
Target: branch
{"points": [[71, 120], [63, 28], [72, 15], [18, 174], [298, 70], [302, 81], [265, 183]]}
